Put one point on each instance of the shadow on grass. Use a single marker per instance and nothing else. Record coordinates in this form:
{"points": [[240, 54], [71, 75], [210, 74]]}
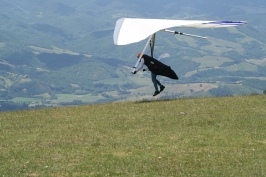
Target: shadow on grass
{"points": [[154, 100]]}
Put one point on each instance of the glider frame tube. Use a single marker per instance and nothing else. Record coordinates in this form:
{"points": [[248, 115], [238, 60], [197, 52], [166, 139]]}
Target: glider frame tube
{"points": [[185, 34], [145, 47]]}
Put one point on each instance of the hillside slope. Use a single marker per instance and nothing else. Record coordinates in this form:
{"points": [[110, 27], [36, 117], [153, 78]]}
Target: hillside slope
{"points": [[223, 136]]}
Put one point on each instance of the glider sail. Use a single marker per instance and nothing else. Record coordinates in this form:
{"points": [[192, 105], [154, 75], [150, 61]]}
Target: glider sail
{"points": [[132, 30]]}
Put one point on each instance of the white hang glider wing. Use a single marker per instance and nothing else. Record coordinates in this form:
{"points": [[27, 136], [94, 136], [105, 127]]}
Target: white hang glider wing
{"points": [[132, 30]]}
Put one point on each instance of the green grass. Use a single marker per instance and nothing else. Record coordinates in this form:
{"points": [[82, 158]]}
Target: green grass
{"points": [[242, 67], [223, 136], [211, 61], [2, 44]]}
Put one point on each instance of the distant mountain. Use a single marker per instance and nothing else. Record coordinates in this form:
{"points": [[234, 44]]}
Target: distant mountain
{"points": [[57, 52]]}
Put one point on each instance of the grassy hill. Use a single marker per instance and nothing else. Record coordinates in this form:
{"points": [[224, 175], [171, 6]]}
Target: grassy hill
{"points": [[222, 136]]}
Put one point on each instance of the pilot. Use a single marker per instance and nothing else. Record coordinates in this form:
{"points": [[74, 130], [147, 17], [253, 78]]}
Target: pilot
{"points": [[154, 66]]}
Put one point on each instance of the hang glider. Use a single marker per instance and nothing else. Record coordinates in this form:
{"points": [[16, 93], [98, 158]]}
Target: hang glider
{"points": [[132, 30]]}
